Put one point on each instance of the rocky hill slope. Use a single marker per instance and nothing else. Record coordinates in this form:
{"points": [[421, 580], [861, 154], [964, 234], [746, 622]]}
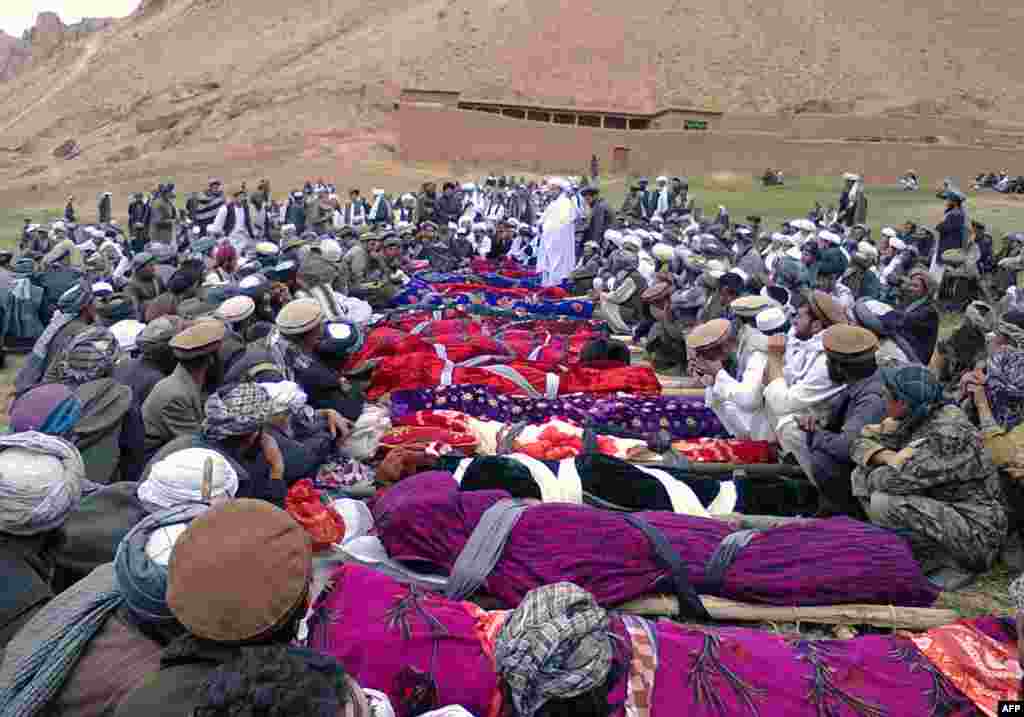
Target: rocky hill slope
{"points": [[213, 84]]}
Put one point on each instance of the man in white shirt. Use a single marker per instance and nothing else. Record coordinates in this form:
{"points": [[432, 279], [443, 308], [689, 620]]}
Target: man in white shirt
{"points": [[234, 222], [739, 402], [800, 386]]}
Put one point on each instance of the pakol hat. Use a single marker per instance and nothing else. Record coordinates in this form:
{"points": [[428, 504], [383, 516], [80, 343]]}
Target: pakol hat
{"points": [[954, 257], [159, 332], [657, 293], [747, 307], [709, 334], [198, 340], [235, 309], [240, 571], [825, 308], [299, 317], [849, 344]]}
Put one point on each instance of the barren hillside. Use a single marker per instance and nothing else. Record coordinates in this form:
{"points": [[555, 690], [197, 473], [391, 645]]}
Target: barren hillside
{"points": [[195, 86]]}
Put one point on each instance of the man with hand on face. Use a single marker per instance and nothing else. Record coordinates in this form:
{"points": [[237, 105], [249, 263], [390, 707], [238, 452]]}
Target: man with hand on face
{"points": [[850, 353], [797, 379]]}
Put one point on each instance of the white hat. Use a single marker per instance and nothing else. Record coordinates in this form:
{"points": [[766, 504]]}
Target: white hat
{"points": [[331, 250], [851, 177], [744, 230], [58, 226], [771, 319], [285, 396], [178, 478], [660, 179], [127, 333], [889, 232], [878, 308], [235, 309], [867, 249], [102, 287], [468, 187], [804, 225], [830, 237], [897, 244], [378, 192]]}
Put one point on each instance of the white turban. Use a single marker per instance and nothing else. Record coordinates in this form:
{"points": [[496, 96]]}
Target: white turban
{"points": [[663, 252], [831, 237], [178, 478], [331, 250], [285, 396], [889, 232], [40, 482]]}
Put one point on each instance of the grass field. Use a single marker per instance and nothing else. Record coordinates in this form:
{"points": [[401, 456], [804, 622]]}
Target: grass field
{"points": [[741, 195]]}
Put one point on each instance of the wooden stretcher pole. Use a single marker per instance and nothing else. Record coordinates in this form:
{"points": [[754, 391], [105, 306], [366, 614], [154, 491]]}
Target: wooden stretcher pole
{"points": [[891, 616]]}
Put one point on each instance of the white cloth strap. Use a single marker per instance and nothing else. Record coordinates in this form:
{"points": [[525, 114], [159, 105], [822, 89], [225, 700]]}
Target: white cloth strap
{"points": [[551, 385], [569, 479], [684, 500]]}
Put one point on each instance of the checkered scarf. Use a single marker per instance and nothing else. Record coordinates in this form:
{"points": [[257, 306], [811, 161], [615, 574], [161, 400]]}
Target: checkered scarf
{"points": [[236, 411], [555, 645], [89, 356]]}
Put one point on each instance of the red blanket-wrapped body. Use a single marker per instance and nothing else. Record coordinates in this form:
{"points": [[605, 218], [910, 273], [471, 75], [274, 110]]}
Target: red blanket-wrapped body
{"points": [[396, 373]]}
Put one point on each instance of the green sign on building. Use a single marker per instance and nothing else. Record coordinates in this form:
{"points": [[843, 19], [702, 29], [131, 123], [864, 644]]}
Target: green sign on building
{"points": [[695, 124]]}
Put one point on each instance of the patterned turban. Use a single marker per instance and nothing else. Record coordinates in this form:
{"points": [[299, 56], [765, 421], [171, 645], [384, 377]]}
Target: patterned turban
{"points": [[915, 386], [236, 411], [555, 645], [1017, 593], [1004, 386], [90, 355]]}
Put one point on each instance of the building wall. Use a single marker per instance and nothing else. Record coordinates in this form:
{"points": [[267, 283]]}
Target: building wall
{"points": [[438, 134]]}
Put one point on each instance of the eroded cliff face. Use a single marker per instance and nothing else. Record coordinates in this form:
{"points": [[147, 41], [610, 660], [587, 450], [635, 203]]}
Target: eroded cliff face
{"points": [[217, 82], [40, 42]]}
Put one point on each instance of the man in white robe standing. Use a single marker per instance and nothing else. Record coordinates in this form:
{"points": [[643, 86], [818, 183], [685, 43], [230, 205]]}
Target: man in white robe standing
{"points": [[557, 255]]}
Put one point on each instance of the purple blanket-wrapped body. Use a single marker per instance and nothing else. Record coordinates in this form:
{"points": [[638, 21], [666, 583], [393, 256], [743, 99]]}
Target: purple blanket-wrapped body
{"points": [[391, 640], [822, 562]]}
